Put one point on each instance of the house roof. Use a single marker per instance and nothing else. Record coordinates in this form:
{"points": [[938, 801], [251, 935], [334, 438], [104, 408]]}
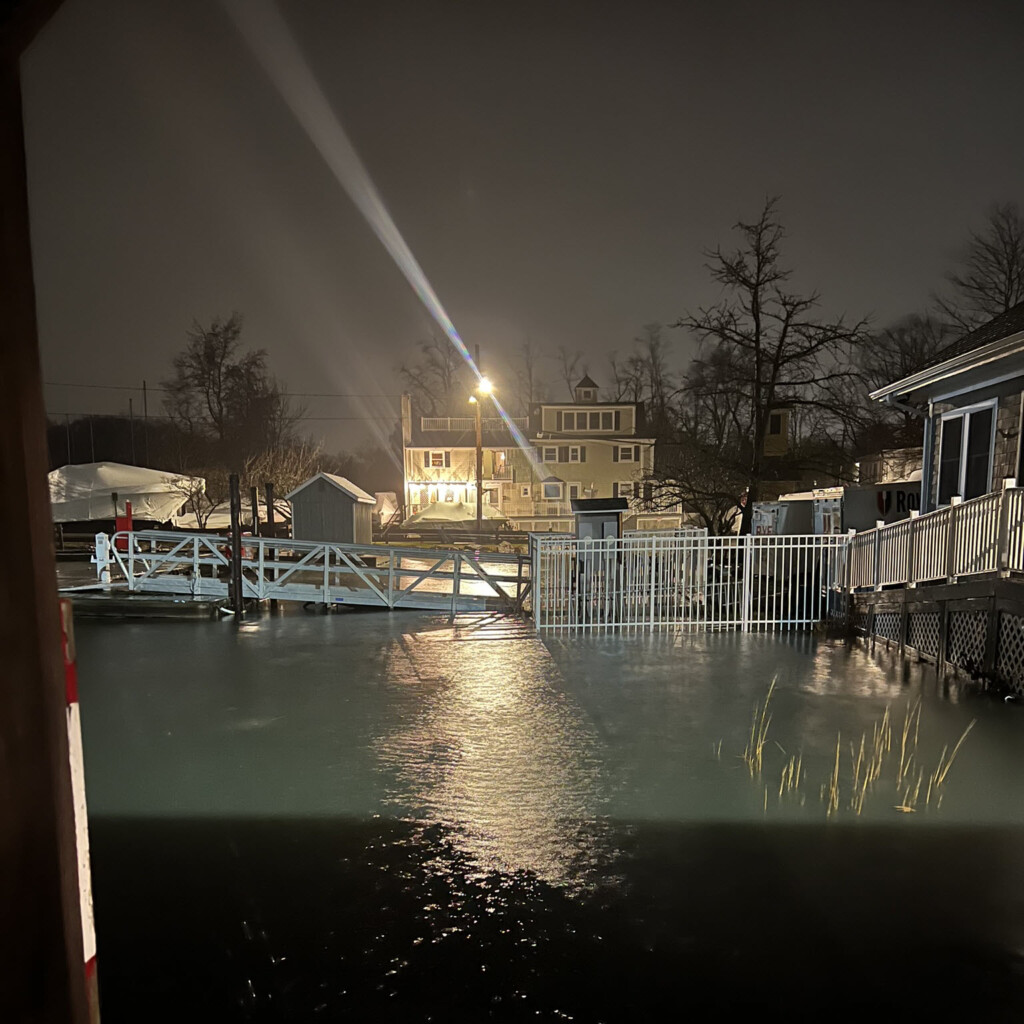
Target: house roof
{"points": [[586, 382], [999, 327], [344, 485], [973, 354]]}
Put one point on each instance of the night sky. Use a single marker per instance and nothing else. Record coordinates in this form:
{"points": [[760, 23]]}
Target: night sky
{"points": [[556, 168]]}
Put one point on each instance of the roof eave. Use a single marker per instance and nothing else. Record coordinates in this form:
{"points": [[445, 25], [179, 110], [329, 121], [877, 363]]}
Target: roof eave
{"points": [[990, 353]]}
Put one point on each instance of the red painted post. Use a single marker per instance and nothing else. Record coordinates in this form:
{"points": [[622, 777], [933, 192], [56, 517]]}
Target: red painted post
{"points": [[75, 757]]}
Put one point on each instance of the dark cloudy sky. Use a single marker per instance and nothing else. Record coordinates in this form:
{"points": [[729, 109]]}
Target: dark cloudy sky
{"points": [[556, 167]]}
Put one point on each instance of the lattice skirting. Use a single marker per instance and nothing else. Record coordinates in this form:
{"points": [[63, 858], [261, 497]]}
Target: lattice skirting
{"points": [[923, 632], [965, 640], [887, 625], [1010, 655]]}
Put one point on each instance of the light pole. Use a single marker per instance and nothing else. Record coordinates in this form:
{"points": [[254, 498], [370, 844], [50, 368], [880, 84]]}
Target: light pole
{"points": [[484, 387]]}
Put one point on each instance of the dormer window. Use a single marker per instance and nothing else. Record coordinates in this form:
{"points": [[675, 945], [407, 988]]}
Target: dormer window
{"points": [[585, 392]]}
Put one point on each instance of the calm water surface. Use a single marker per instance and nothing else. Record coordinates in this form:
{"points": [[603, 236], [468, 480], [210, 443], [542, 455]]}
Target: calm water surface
{"points": [[383, 817]]}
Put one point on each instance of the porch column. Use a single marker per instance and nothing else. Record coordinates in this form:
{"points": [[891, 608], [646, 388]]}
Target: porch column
{"points": [[927, 460]]}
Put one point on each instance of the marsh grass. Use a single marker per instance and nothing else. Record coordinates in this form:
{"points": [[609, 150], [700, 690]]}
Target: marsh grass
{"points": [[878, 755], [753, 755]]}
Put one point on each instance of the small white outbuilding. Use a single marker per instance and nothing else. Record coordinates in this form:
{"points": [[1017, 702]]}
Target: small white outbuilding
{"points": [[331, 508]]}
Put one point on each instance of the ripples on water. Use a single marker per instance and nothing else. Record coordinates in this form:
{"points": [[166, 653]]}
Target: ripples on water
{"points": [[372, 817]]}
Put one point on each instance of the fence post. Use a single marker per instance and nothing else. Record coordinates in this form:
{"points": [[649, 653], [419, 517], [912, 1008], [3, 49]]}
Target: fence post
{"points": [[847, 584], [456, 570], [745, 605], [912, 533], [1003, 537], [879, 523], [954, 515]]}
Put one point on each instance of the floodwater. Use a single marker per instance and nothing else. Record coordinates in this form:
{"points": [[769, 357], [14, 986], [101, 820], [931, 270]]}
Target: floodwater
{"points": [[387, 818]]}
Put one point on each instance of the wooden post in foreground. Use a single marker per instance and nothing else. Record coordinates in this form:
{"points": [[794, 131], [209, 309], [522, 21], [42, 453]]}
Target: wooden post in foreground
{"points": [[235, 579], [42, 962]]}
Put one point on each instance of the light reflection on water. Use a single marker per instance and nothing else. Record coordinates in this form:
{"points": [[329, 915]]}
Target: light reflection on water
{"points": [[494, 749]]}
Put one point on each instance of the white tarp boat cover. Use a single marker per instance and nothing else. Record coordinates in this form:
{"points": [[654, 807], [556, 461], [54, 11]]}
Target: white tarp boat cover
{"points": [[387, 505], [83, 493], [448, 513]]}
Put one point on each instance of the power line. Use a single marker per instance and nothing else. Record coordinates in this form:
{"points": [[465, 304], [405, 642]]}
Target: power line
{"points": [[288, 394], [156, 416]]}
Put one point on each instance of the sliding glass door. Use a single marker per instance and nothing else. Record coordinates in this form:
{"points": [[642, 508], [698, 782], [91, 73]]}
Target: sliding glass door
{"points": [[965, 452]]}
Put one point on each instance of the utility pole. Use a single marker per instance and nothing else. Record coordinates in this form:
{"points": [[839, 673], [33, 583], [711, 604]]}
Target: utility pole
{"points": [[483, 388], [479, 468], [131, 427], [145, 422]]}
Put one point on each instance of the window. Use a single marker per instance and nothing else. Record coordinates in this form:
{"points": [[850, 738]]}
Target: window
{"points": [[437, 460], [553, 491], [574, 491], [550, 454], [524, 491], [606, 421], [775, 424], [626, 453], [574, 454], [626, 489], [965, 452], [595, 421]]}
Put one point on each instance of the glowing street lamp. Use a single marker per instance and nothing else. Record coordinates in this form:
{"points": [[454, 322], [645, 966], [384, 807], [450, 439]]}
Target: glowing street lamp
{"points": [[484, 387]]}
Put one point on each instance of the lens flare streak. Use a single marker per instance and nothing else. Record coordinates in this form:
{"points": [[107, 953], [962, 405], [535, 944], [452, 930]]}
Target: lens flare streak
{"points": [[272, 44]]}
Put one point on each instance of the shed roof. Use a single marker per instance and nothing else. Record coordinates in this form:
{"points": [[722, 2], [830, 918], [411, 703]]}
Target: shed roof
{"points": [[591, 506], [342, 483]]}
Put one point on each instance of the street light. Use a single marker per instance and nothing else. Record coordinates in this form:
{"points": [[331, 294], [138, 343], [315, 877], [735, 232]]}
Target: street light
{"points": [[484, 387]]}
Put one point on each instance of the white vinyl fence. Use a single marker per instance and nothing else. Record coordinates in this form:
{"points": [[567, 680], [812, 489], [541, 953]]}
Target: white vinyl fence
{"points": [[688, 580]]}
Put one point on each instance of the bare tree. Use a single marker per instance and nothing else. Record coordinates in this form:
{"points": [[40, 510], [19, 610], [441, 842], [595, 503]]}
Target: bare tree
{"points": [[529, 386], [644, 376], [702, 463], [773, 350], [285, 466], [888, 355], [220, 393], [435, 379], [990, 278], [569, 367]]}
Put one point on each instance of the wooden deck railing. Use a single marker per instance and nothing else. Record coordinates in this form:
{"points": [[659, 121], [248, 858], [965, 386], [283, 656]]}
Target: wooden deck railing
{"points": [[966, 538]]}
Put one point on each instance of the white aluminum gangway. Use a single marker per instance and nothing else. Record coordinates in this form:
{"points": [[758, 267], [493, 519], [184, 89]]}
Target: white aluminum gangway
{"points": [[313, 572]]}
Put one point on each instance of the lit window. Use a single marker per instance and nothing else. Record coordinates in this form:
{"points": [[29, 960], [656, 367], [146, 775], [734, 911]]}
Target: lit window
{"points": [[437, 460]]}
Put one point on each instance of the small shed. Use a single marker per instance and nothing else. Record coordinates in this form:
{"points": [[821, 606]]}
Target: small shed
{"points": [[599, 518], [329, 507]]}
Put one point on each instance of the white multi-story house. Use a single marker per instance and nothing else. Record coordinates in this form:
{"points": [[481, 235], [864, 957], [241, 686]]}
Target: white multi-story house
{"points": [[584, 448]]}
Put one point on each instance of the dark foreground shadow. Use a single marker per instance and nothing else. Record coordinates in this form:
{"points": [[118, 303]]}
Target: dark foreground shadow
{"points": [[296, 920]]}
